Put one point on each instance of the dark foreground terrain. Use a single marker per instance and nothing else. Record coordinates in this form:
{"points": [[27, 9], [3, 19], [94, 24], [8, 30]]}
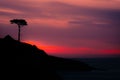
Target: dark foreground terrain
{"points": [[24, 61], [110, 70]]}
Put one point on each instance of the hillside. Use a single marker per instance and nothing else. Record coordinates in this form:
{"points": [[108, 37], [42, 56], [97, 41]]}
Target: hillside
{"points": [[22, 59]]}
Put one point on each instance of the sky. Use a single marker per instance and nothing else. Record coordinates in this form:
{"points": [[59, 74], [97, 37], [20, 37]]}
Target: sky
{"points": [[65, 28]]}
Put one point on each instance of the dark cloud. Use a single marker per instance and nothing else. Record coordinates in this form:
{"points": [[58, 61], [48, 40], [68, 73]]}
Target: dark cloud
{"points": [[59, 9]]}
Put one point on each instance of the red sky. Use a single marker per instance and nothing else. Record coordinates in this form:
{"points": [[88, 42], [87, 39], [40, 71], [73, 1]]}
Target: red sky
{"points": [[66, 28]]}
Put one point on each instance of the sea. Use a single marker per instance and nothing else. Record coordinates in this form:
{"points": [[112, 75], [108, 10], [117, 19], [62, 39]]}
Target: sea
{"points": [[109, 70]]}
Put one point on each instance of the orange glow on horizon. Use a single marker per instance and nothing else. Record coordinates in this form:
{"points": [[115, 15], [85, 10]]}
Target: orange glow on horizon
{"points": [[62, 50]]}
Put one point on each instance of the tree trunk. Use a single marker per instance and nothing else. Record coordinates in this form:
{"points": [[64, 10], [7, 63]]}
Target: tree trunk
{"points": [[18, 32]]}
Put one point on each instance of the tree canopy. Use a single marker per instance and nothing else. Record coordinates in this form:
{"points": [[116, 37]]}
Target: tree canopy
{"points": [[20, 22]]}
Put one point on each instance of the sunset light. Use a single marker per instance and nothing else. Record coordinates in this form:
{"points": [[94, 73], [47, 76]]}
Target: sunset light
{"points": [[67, 28]]}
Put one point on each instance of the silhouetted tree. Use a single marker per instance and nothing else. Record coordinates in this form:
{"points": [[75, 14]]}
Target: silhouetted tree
{"points": [[20, 23]]}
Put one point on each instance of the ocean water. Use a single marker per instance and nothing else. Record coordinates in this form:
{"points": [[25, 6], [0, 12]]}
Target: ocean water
{"points": [[110, 70]]}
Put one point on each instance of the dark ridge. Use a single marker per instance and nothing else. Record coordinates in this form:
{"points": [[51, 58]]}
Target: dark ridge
{"points": [[26, 61], [68, 64]]}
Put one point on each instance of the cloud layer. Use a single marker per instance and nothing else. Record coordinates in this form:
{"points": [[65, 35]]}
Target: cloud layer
{"points": [[80, 28]]}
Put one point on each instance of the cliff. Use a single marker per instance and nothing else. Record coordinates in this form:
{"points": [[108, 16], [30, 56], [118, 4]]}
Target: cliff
{"points": [[22, 59]]}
